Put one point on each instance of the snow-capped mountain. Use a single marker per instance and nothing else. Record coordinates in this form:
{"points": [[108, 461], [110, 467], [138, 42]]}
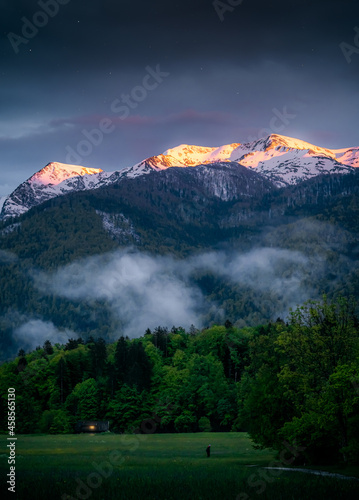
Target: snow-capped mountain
{"points": [[54, 173], [286, 161], [282, 160], [57, 179], [53, 180]]}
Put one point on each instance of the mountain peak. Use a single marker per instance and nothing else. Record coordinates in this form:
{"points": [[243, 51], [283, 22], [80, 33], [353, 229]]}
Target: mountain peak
{"points": [[55, 179], [292, 143], [54, 173], [190, 155]]}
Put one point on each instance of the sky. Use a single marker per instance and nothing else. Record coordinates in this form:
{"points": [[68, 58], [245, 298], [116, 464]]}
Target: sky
{"points": [[107, 83]]}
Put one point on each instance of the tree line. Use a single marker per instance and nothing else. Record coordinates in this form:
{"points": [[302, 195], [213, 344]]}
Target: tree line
{"points": [[294, 381]]}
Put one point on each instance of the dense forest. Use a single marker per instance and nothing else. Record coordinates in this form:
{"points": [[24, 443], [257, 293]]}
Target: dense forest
{"points": [[294, 382]]}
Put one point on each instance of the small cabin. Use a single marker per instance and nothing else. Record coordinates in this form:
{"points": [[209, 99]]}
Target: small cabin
{"points": [[92, 426]]}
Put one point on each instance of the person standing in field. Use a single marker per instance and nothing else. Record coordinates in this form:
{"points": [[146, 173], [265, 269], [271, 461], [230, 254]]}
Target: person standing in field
{"points": [[208, 450]]}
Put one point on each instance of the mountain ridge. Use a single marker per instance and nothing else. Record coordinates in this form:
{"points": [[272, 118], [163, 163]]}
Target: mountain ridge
{"points": [[282, 160]]}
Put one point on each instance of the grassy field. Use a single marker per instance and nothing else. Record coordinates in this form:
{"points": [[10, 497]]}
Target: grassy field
{"points": [[159, 467]]}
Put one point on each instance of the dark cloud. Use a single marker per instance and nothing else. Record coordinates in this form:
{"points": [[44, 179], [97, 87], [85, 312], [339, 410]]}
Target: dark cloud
{"points": [[225, 77]]}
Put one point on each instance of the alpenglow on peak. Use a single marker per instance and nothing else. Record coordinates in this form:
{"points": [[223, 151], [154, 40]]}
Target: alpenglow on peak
{"points": [[282, 160]]}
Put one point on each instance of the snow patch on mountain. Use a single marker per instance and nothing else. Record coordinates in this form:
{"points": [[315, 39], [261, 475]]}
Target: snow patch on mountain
{"points": [[10, 229], [348, 156], [119, 227]]}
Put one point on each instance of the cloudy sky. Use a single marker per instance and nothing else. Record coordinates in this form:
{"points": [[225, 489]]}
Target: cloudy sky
{"points": [[106, 83]]}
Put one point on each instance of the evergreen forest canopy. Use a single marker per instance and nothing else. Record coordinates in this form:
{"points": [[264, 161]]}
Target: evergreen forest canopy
{"points": [[295, 382]]}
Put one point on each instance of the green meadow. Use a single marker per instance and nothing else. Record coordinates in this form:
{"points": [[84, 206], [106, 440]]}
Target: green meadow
{"points": [[160, 467]]}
